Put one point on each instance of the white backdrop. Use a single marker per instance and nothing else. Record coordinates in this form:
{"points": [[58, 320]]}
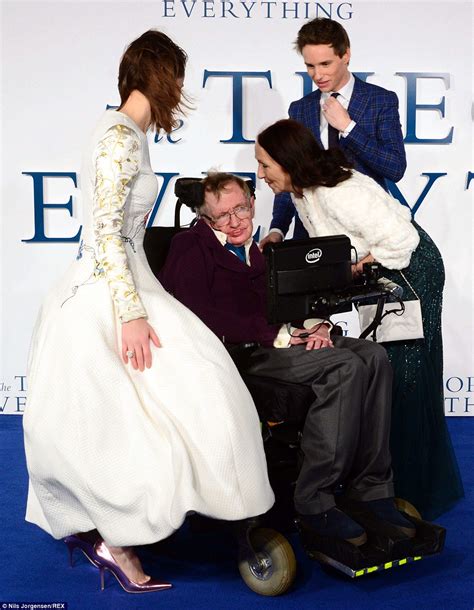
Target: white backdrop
{"points": [[59, 71]]}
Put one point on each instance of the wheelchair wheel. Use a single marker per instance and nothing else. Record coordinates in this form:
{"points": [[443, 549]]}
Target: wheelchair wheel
{"points": [[275, 570], [406, 507]]}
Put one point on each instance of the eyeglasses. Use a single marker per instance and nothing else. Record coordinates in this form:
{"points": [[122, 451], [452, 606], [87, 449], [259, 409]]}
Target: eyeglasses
{"points": [[242, 212]]}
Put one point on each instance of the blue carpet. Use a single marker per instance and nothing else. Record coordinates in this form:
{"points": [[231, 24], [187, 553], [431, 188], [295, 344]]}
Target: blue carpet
{"points": [[34, 567]]}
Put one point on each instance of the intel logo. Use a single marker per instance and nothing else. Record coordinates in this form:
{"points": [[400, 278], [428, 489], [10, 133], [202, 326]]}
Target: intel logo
{"points": [[313, 255]]}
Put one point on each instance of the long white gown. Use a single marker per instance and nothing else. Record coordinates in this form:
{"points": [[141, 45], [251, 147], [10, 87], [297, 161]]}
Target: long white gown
{"points": [[128, 452]]}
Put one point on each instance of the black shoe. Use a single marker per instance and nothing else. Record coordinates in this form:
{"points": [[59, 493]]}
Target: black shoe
{"points": [[385, 509], [335, 524]]}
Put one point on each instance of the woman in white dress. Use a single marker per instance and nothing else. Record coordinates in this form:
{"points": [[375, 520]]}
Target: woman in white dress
{"points": [[136, 415], [332, 199]]}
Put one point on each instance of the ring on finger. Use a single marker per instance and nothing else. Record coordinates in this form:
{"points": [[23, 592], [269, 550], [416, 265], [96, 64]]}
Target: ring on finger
{"points": [[130, 353]]}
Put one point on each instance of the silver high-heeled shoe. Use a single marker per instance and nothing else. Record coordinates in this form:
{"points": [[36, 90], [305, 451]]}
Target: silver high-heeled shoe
{"points": [[105, 561], [77, 542]]}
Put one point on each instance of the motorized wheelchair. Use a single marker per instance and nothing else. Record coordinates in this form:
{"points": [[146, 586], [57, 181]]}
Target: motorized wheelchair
{"points": [[384, 549]]}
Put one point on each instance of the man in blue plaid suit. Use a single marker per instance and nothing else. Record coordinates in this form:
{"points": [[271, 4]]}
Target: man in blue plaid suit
{"points": [[361, 118]]}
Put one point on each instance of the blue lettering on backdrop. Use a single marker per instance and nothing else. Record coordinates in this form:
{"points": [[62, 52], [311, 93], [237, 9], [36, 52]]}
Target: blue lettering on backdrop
{"points": [[247, 175], [346, 14], [166, 180], [13, 399], [183, 2], [237, 137], [413, 106], [19, 401], [269, 6], [237, 99], [290, 10], [395, 191], [159, 137], [270, 9], [228, 8], [40, 205], [168, 8], [307, 82], [451, 402], [456, 385], [470, 176], [247, 10], [22, 382], [5, 402], [208, 8]]}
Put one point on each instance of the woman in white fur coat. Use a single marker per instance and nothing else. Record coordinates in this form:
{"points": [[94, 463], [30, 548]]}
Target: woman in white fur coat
{"points": [[331, 198]]}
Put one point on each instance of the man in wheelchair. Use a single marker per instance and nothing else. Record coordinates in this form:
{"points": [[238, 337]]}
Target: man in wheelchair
{"points": [[216, 269]]}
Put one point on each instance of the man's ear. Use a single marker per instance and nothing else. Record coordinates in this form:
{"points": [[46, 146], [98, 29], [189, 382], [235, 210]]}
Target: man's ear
{"points": [[348, 55], [202, 215], [252, 205]]}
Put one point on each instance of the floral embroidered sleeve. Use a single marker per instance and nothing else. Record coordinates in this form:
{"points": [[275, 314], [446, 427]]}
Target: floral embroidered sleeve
{"points": [[117, 162]]}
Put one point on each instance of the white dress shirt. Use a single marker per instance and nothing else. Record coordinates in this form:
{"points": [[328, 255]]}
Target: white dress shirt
{"points": [[344, 97]]}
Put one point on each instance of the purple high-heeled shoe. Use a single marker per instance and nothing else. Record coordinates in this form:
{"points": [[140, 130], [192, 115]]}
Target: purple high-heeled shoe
{"points": [[105, 561], [77, 542]]}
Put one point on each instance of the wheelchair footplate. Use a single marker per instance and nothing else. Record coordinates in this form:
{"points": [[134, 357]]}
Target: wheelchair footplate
{"points": [[385, 547]]}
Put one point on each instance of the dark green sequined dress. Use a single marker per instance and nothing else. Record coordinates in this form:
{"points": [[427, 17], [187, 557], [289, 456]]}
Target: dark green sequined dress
{"points": [[425, 467]]}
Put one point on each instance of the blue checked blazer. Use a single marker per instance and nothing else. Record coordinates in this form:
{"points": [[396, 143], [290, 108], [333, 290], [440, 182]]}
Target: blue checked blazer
{"points": [[374, 146]]}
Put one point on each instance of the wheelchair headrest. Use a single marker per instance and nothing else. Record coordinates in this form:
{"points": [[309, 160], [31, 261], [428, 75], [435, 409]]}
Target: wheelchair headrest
{"points": [[190, 191]]}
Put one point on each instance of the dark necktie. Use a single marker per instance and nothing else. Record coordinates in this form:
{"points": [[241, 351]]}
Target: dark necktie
{"points": [[333, 133], [239, 251]]}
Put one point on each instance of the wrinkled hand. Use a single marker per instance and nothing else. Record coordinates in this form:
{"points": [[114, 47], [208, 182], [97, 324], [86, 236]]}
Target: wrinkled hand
{"points": [[335, 114], [359, 267], [272, 238], [315, 337], [136, 337]]}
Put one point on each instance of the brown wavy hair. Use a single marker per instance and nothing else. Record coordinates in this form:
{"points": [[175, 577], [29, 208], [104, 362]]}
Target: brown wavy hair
{"points": [[294, 147], [323, 31], [153, 64]]}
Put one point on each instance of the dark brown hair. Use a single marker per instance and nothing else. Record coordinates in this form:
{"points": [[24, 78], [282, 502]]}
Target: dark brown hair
{"points": [[152, 64], [216, 183], [323, 31], [295, 149]]}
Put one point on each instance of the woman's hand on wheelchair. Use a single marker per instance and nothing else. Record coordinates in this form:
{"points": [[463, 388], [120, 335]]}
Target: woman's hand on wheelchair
{"points": [[358, 268], [272, 238]]}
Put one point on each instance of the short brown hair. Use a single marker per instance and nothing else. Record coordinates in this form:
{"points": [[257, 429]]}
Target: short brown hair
{"points": [[152, 64], [323, 31], [216, 183]]}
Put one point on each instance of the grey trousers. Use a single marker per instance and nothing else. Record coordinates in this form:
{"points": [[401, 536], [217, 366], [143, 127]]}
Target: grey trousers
{"points": [[347, 427]]}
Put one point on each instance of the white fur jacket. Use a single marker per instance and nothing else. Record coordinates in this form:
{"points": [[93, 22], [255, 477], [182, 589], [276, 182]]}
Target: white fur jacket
{"points": [[373, 220]]}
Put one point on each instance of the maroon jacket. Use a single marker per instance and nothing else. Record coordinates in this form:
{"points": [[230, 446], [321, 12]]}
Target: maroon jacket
{"points": [[228, 295]]}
